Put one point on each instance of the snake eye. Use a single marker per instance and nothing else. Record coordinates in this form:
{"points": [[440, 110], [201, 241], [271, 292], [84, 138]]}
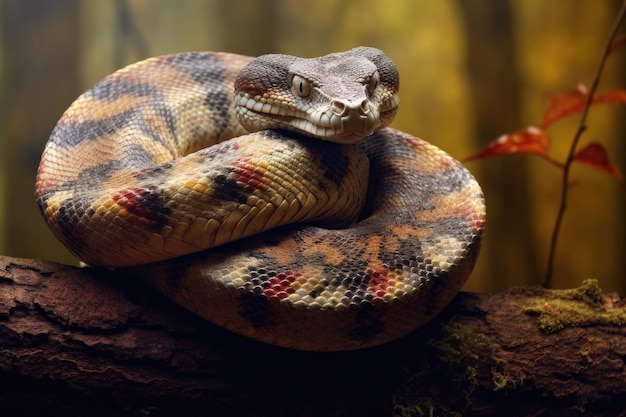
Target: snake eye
{"points": [[373, 82], [301, 86]]}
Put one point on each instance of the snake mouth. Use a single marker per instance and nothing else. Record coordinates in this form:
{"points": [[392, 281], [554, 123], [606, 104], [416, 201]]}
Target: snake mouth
{"points": [[322, 124], [339, 130]]}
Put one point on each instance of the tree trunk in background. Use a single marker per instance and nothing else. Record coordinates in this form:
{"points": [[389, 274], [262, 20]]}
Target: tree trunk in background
{"points": [[493, 77], [40, 80], [255, 28], [128, 37]]}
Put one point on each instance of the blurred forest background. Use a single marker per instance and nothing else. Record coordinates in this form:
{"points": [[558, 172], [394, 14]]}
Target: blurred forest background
{"points": [[470, 70]]}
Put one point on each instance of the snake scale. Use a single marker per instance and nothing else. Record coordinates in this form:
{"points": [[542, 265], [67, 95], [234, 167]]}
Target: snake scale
{"points": [[266, 195]]}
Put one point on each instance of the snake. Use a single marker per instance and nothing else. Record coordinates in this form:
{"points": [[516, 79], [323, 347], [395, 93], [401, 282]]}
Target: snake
{"points": [[265, 194]]}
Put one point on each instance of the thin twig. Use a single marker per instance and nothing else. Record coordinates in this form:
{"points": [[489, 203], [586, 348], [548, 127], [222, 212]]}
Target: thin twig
{"points": [[572, 151]]}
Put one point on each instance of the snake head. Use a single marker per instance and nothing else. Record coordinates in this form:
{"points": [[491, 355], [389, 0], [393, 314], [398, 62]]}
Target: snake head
{"points": [[341, 97]]}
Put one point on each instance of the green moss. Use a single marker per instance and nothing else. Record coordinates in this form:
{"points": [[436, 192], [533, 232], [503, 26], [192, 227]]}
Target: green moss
{"points": [[447, 365], [443, 376], [577, 307]]}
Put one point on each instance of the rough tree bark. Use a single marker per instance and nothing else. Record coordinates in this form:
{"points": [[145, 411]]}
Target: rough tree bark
{"points": [[87, 342]]}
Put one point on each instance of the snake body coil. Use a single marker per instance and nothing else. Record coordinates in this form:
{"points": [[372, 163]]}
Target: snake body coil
{"points": [[363, 240]]}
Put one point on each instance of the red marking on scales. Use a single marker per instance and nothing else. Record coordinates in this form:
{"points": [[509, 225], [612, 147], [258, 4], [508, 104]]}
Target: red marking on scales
{"points": [[378, 283], [145, 204], [280, 285], [248, 174]]}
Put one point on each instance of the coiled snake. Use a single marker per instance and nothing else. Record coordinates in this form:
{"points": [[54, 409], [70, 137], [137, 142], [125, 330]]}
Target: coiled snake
{"points": [[368, 232]]}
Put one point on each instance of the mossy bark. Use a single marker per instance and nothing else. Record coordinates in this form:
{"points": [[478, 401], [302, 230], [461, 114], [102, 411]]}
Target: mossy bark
{"points": [[86, 342]]}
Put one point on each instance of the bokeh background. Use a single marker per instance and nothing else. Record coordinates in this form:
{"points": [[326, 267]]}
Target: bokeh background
{"points": [[470, 71]]}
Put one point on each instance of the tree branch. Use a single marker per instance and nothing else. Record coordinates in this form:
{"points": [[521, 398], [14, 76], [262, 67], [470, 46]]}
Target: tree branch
{"points": [[88, 342], [582, 127]]}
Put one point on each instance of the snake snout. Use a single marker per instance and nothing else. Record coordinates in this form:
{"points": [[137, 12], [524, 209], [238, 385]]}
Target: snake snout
{"points": [[353, 119], [343, 108]]}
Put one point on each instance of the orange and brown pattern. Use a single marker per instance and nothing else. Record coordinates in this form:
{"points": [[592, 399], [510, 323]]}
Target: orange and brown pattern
{"points": [[297, 235]]}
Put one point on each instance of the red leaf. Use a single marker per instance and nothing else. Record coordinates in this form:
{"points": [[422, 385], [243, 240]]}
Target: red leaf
{"points": [[596, 156], [564, 104], [613, 96], [573, 101], [530, 140]]}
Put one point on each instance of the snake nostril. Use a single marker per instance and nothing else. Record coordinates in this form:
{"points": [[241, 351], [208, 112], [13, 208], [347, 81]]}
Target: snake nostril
{"points": [[339, 107], [365, 108]]}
